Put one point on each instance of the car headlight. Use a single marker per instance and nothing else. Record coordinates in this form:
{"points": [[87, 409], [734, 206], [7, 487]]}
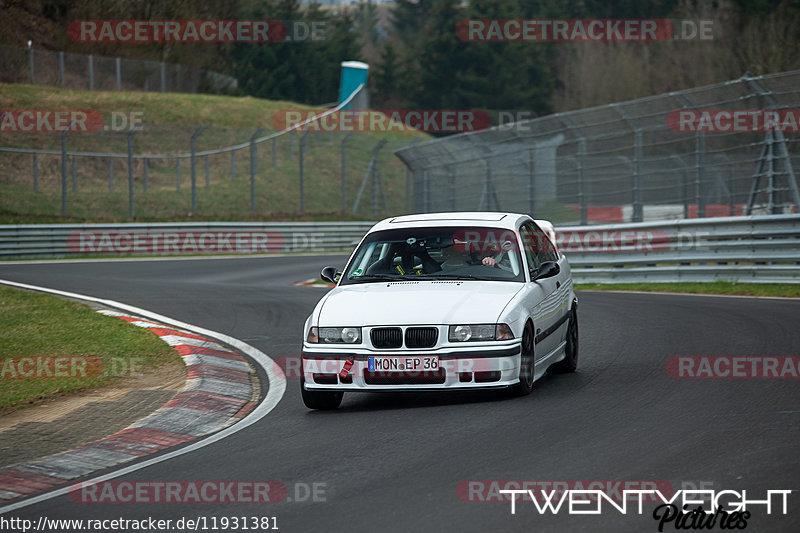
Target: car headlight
{"points": [[480, 332], [334, 335]]}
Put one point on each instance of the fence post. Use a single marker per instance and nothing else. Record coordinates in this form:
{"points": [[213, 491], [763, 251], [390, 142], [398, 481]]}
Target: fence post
{"points": [[451, 181], [35, 173], [144, 163], [408, 181], [291, 146], [700, 141], [64, 172], [163, 78], [638, 211], [74, 173], [110, 174], [371, 172], [303, 141], [732, 206], [130, 169], [61, 67], [253, 168], [773, 202], [30, 63], [408, 189], [194, 167], [344, 171], [531, 183], [119, 74], [91, 73], [208, 177], [426, 197], [233, 165], [177, 174], [582, 183]]}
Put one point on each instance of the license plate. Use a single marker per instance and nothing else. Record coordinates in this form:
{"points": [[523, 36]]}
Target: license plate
{"points": [[403, 363]]}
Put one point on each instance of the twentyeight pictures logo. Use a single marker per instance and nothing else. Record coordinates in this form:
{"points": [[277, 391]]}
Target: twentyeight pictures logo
{"points": [[195, 31]]}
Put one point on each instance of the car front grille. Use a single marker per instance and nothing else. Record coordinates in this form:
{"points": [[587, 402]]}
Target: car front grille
{"points": [[421, 337], [386, 337]]}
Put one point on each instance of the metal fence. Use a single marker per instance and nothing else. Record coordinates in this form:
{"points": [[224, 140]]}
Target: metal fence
{"points": [[163, 171], [741, 249], [101, 73], [624, 162]]}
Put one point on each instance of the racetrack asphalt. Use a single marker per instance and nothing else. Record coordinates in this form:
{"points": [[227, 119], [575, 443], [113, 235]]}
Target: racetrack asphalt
{"points": [[395, 462]]}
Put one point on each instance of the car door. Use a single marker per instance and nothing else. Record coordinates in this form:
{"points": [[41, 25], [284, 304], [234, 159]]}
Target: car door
{"points": [[549, 296]]}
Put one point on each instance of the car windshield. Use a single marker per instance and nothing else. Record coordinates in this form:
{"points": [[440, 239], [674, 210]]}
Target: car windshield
{"points": [[445, 253]]}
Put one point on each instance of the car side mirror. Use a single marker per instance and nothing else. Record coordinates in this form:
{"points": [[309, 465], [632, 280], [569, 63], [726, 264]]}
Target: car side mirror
{"points": [[548, 269], [330, 274]]}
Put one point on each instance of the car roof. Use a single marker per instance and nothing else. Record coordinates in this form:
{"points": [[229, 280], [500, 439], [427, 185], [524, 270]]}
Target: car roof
{"points": [[465, 218]]}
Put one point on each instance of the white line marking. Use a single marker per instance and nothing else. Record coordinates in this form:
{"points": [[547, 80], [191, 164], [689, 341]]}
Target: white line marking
{"points": [[275, 378]]}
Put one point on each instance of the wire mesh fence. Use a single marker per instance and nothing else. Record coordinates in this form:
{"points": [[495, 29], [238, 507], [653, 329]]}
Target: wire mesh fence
{"points": [[102, 73], [720, 150], [181, 172]]}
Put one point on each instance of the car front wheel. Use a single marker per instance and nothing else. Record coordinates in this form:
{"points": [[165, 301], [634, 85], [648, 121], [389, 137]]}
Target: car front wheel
{"points": [[323, 400], [570, 362], [526, 364]]}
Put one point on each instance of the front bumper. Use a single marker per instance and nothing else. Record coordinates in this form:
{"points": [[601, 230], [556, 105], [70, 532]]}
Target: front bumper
{"points": [[477, 367]]}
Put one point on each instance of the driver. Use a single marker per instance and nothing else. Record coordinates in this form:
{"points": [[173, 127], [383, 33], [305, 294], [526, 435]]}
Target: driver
{"points": [[455, 255]]}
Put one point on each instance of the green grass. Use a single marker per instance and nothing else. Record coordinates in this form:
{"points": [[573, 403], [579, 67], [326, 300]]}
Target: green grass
{"points": [[169, 121], [717, 287], [41, 326]]}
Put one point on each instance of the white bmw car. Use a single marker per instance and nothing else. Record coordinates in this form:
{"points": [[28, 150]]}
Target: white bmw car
{"points": [[443, 301]]}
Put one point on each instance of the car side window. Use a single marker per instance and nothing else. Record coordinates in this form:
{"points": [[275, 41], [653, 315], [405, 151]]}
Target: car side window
{"points": [[537, 245]]}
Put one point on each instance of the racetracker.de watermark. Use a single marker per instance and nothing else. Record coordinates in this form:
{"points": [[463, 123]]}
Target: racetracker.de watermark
{"points": [[584, 30], [202, 491], [73, 367], [734, 120], [293, 367], [733, 367], [190, 242], [67, 120], [386, 120], [195, 31], [496, 490]]}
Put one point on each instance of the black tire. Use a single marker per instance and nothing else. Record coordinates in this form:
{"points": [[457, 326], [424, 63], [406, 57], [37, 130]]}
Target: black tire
{"points": [[526, 367], [570, 362], [322, 400]]}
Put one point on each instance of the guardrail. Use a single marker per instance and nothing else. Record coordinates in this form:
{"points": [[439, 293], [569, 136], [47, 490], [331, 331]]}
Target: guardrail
{"points": [[745, 249], [760, 249], [184, 238]]}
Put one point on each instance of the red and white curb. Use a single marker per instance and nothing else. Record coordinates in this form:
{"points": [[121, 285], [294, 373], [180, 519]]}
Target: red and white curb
{"points": [[218, 394], [314, 282]]}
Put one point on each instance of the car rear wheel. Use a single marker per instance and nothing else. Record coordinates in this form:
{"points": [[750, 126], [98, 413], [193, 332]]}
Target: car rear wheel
{"points": [[319, 399], [526, 364], [570, 361]]}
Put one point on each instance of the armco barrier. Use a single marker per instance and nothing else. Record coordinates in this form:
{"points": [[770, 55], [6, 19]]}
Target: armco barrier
{"points": [[745, 249], [759, 249], [187, 238]]}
